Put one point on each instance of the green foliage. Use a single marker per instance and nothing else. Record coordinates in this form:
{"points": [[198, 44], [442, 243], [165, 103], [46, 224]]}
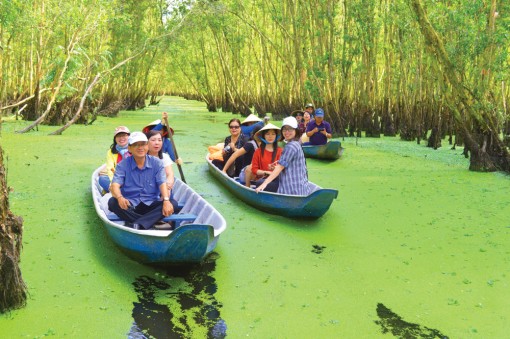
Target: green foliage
{"points": [[265, 53]]}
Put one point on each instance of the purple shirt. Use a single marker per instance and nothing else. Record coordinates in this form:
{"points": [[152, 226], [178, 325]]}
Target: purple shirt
{"points": [[140, 185], [318, 138]]}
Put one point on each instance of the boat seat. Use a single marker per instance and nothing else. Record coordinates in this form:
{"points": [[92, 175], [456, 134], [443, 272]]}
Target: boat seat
{"points": [[176, 218]]}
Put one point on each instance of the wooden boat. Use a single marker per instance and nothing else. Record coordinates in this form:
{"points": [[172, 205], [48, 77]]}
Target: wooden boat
{"points": [[330, 151], [292, 206], [199, 227]]}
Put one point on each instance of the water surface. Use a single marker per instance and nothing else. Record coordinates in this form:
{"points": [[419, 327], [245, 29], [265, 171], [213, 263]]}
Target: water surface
{"points": [[415, 245]]}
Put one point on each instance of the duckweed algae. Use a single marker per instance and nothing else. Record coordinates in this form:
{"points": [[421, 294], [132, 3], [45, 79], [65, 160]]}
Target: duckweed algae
{"points": [[411, 228]]}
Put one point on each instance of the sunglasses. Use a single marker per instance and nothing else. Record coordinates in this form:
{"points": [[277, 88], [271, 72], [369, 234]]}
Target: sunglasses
{"points": [[234, 127]]}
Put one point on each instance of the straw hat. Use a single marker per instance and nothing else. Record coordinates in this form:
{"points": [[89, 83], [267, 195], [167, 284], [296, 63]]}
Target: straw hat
{"points": [[164, 130], [265, 128], [251, 118]]}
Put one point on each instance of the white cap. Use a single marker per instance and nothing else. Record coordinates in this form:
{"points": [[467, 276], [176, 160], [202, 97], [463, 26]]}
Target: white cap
{"points": [[290, 121], [137, 136]]}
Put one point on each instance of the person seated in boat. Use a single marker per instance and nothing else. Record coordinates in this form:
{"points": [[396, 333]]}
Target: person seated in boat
{"points": [[306, 120], [137, 185], [158, 125], [318, 130], [300, 120], [310, 108], [117, 152], [156, 150], [246, 152], [291, 168], [266, 156], [232, 143], [249, 124]]}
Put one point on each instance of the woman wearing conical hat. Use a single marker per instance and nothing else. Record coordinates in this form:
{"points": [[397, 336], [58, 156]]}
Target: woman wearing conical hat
{"points": [[248, 124], [266, 156], [291, 168]]}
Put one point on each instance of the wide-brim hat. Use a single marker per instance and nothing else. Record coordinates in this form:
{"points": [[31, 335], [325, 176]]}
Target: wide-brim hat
{"points": [[265, 128], [251, 118], [152, 126], [121, 129]]}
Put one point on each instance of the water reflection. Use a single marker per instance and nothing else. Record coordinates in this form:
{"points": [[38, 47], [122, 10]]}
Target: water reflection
{"points": [[179, 303]]}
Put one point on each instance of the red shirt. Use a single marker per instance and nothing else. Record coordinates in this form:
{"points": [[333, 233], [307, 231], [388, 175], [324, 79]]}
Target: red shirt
{"points": [[262, 163]]}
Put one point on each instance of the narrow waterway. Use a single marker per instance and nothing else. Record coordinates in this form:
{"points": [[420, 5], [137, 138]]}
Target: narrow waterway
{"points": [[414, 246]]}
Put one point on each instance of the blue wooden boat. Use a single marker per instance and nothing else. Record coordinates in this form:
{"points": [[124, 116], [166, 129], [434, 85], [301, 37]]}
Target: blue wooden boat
{"points": [[330, 151], [292, 206], [199, 227]]}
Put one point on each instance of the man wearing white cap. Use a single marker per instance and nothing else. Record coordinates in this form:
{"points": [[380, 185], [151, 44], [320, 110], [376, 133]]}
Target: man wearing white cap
{"points": [[137, 183]]}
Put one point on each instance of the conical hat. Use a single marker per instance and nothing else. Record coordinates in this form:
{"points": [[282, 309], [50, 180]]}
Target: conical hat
{"points": [[251, 118], [265, 128], [164, 130]]}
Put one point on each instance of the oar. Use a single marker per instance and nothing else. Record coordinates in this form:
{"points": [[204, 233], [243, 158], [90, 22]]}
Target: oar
{"points": [[175, 149]]}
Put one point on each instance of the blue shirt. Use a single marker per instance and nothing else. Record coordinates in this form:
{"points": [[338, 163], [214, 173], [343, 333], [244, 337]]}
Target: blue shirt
{"points": [[246, 130], [140, 185], [294, 177], [318, 138]]}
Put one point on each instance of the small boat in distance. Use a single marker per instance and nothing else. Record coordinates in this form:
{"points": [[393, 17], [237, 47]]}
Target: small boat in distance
{"points": [[311, 206], [329, 151], [198, 227]]}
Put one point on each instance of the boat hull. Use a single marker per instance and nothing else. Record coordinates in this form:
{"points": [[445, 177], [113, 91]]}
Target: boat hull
{"points": [[330, 151], [292, 206], [189, 243]]}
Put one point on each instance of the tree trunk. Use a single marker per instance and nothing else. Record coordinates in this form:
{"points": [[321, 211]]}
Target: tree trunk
{"points": [[479, 127], [13, 291]]}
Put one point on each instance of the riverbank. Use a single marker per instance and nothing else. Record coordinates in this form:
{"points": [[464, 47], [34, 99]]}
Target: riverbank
{"points": [[413, 234]]}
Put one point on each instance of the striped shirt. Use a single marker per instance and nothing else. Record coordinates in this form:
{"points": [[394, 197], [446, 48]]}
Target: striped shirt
{"points": [[294, 177]]}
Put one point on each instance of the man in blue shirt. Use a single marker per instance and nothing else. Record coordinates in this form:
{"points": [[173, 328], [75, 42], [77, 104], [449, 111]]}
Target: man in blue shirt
{"points": [[137, 183], [318, 130]]}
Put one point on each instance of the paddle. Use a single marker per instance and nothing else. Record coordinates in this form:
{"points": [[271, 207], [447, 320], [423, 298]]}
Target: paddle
{"points": [[175, 149]]}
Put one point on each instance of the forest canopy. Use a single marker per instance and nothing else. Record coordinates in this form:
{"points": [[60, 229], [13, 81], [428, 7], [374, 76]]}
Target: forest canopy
{"points": [[420, 69]]}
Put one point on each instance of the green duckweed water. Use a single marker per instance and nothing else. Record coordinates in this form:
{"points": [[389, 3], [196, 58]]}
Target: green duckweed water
{"points": [[415, 245]]}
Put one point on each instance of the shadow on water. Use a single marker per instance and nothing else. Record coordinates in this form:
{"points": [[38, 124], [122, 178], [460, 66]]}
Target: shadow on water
{"points": [[394, 324], [178, 303], [181, 305]]}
